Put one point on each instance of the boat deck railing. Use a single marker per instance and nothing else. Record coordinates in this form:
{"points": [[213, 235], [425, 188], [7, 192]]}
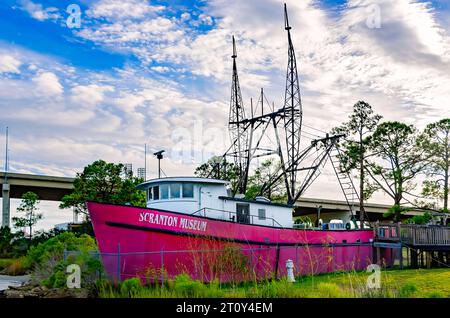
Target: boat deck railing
{"points": [[233, 216]]}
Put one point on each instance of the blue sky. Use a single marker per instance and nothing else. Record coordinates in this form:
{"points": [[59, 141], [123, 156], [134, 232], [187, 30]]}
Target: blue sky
{"points": [[158, 72]]}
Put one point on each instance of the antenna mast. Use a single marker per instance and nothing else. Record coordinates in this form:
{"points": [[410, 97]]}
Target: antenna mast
{"points": [[238, 132], [293, 113]]}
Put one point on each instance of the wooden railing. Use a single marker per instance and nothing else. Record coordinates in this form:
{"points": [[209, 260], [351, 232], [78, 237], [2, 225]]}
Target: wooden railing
{"points": [[413, 234]]}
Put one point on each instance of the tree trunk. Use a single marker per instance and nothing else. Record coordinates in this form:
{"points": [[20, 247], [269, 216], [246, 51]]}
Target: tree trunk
{"points": [[361, 181], [446, 193], [446, 190], [397, 214]]}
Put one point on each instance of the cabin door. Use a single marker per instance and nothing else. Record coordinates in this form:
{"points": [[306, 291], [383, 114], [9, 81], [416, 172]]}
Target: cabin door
{"points": [[243, 213]]}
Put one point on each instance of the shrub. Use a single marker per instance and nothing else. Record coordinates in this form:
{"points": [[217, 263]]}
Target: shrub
{"points": [[407, 290], [5, 262], [15, 267], [130, 287], [435, 294], [49, 265], [185, 286]]}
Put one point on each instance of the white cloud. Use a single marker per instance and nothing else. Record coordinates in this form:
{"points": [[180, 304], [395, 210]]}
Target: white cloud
{"points": [[122, 9], [47, 83], [9, 64], [185, 16], [89, 95], [38, 12], [161, 69]]}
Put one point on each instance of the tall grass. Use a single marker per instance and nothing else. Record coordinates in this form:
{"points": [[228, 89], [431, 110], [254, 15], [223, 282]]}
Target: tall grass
{"points": [[394, 284]]}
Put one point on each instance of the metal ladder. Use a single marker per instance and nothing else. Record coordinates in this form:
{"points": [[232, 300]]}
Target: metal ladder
{"points": [[345, 181]]}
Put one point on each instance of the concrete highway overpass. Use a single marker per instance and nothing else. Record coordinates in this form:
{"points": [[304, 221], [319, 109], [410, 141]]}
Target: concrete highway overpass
{"points": [[330, 209], [46, 187]]}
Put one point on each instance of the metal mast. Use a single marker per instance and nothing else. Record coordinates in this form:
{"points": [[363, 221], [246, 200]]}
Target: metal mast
{"points": [[293, 112], [238, 133]]}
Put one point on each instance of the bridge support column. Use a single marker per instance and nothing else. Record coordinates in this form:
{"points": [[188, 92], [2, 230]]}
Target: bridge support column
{"points": [[6, 213]]}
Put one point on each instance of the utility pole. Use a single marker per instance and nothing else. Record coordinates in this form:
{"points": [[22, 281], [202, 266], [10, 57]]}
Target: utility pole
{"points": [[145, 162], [6, 188]]}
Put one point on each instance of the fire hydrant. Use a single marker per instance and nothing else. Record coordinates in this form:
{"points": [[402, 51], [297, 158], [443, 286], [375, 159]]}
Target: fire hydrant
{"points": [[290, 271]]}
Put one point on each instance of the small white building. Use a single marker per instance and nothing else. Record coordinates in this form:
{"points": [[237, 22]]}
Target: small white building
{"points": [[212, 198]]}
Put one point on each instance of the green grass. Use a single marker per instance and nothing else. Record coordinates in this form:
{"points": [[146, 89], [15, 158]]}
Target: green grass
{"points": [[412, 283], [5, 262], [13, 266]]}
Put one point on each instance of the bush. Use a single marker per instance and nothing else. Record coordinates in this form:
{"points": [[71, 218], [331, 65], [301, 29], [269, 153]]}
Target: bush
{"points": [[421, 219], [407, 290], [185, 286], [48, 263], [15, 267], [435, 294], [130, 287], [5, 262]]}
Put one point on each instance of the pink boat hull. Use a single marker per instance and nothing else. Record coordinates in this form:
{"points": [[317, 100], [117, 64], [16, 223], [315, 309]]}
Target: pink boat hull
{"points": [[154, 244]]}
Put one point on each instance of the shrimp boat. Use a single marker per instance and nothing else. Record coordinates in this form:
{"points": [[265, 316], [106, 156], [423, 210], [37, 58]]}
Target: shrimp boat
{"points": [[206, 228], [192, 224]]}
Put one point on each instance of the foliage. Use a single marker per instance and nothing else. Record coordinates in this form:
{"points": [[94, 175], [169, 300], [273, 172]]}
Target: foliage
{"points": [[395, 162], [231, 261], [43, 236], [435, 141], [5, 263], [16, 244], [395, 210], [362, 122], [6, 239], [267, 173], [407, 290], [104, 182], [130, 287], [49, 264], [217, 167], [29, 203], [54, 247], [421, 219]]}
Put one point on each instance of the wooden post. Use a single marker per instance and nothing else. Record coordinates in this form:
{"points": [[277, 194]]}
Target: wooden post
{"points": [[422, 261], [378, 256], [408, 256], [414, 258], [401, 256]]}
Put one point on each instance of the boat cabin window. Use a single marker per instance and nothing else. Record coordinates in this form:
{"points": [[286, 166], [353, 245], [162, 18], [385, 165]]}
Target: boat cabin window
{"points": [[155, 193], [170, 191], [188, 190], [261, 214], [150, 194], [175, 192], [164, 191]]}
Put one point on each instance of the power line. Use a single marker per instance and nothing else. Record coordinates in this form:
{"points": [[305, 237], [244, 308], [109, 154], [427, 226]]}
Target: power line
{"points": [[315, 129]]}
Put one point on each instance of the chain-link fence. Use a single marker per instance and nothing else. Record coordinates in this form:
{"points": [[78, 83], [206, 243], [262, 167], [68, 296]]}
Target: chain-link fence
{"points": [[232, 262]]}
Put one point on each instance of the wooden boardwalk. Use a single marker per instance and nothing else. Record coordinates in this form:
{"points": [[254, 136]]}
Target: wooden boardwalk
{"points": [[426, 245], [413, 235]]}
